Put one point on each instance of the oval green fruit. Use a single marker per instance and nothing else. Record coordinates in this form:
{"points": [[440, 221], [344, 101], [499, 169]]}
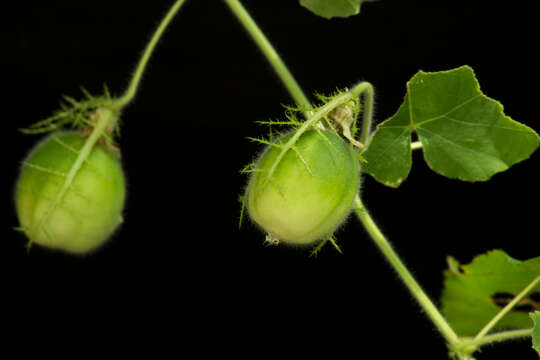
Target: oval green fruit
{"points": [[75, 215], [310, 191]]}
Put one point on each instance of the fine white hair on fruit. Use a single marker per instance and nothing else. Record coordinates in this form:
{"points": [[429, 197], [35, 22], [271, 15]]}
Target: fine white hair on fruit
{"points": [[67, 199], [300, 193]]}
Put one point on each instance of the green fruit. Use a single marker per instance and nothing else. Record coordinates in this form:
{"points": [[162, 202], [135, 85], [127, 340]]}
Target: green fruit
{"points": [[76, 217], [310, 191]]}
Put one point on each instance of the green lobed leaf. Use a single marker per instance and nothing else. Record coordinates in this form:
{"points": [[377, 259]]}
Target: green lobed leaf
{"points": [[535, 316], [465, 135], [333, 8], [473, 294]]}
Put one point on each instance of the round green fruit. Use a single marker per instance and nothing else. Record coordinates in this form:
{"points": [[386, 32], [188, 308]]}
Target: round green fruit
{"points": [[310, 191], [75, 214]]}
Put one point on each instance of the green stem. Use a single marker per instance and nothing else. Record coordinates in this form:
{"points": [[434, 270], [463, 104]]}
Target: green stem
{"points": [[286, 76], [500, 336], [506, 309], [385, 247], [130, 92], [367, 119], [302, 101], [270, 53]]}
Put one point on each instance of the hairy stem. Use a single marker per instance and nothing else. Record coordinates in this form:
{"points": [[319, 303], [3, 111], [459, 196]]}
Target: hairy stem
{"points": [[270, 53], [302, 101], [499, 336], [507, 308], [314, 119], [411, 283], [130, 92], [367, 119]]}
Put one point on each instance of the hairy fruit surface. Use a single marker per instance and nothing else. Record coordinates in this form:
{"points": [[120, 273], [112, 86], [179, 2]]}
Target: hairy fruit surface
{"points": [[73, 211], [306, 194]]}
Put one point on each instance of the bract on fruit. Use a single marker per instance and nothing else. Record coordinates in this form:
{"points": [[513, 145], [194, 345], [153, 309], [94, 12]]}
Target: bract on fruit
{"points": [[76, 217], [309, 192]]}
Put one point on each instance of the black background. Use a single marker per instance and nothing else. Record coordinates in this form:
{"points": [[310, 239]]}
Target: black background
{"points": [[179, 275]]}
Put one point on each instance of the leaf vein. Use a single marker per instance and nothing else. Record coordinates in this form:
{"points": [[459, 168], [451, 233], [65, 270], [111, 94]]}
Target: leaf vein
{"points": [[449, 111], [389, 146], [486, 125]]}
